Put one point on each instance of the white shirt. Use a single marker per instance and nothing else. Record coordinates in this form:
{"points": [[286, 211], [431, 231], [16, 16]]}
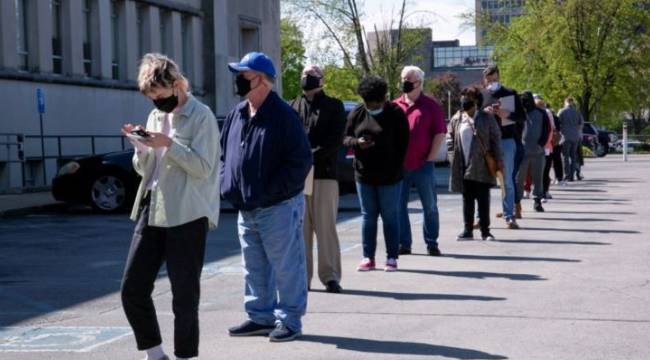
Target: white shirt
{"points": [[160, 152], [466, 136]]}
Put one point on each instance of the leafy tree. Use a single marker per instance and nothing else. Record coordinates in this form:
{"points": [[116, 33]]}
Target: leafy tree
{"points": [[588, 49], [441, 88], [341, 83], [292, 55]]}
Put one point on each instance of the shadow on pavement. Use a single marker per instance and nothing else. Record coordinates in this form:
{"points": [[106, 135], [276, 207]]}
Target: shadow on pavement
{"points": [[508, 258], [589, 212], [594, 231], [572, 219], [553, 242], [477, 275], [399, 347], [416, 296]]}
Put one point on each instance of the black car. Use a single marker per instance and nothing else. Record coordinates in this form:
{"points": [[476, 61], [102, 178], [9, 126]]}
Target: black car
{"points": [[106, 182], [598, 140]]}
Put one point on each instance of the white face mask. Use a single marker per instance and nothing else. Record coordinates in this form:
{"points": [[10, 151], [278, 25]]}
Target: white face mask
{"points": [[494, 86]]}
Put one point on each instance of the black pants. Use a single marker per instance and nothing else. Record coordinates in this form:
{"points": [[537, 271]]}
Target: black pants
{"points": [[553, 160], [183, 249], [479, 192]]}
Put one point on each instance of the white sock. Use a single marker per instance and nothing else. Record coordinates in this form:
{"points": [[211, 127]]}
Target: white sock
{"points": [[155, 353]]}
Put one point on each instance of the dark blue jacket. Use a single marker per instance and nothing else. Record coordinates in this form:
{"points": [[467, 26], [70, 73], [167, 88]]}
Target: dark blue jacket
{"points": [[264, 160]]}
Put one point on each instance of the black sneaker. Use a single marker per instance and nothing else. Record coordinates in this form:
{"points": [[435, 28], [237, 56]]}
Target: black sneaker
{"points": [[538, 206], [487, 237], [249, 328], [404, 251], [434, 251], [283, 333], [465, 235], [333, 286]]}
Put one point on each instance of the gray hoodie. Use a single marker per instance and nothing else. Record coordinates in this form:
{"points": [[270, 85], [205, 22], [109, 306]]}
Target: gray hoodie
{"points": [[570, 124]]}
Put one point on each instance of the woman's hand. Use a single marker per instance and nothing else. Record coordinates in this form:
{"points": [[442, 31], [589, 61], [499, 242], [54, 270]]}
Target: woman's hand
{"points": [[157, 140]]}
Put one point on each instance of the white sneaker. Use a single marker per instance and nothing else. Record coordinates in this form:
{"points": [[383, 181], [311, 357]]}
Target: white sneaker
{"points": [[526, 194], [544, 200]]}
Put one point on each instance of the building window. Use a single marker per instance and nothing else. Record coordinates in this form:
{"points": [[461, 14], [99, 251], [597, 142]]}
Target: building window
{"points": [[115, 30], [186, 26], [139, 14], [165, 18], [21, 35], [87, 37], [57, 48]]}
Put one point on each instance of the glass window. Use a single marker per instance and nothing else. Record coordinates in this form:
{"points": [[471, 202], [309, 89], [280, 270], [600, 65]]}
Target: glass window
{"points": [[57, 48], [87, 37], [164, 40], [115, 30], [21, 35]]}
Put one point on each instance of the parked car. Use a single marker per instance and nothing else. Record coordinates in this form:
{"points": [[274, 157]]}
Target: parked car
{"points": [[632, 145], [106, 182], [598, 140]]}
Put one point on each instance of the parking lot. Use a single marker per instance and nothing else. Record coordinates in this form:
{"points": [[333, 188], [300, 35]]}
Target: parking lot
{"points": [[574, 283]]}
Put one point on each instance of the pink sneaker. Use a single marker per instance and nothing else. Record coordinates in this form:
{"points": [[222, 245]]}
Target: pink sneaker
{"points": [[391, 265], [366, 265]]}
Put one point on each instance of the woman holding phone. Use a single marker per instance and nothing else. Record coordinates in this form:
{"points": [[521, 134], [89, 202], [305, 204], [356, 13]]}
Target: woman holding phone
{"points": [[378, 132], [177, 154]]}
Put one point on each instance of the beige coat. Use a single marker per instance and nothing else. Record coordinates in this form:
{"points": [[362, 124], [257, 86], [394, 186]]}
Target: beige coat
{"points": [[188, 183], [489, 132]]}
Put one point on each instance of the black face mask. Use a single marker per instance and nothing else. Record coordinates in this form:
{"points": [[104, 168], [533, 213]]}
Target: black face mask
{"points": [[167, 104], [466, 104], [309, 82], [407, 87], [242, 85]]}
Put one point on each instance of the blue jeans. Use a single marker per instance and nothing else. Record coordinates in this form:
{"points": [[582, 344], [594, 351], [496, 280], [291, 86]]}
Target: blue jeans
{"points": [[273, 254], [519, 157], [375, 201], [425, 183], [509, 150]]}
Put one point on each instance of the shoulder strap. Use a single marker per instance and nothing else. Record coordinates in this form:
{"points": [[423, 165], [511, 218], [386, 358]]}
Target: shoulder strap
{"points": [[480, 141]]}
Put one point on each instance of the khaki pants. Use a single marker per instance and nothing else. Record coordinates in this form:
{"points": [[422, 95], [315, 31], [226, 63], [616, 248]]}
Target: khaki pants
{"points": [[320, 218]]}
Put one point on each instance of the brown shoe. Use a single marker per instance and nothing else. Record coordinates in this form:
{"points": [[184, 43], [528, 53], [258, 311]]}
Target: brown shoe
{"points": [[512, 224], [518, 211], [499, 215]]}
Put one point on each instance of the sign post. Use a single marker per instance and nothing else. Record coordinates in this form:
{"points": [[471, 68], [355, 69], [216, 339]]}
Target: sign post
{"points": [[625, 141], [40, 102]]}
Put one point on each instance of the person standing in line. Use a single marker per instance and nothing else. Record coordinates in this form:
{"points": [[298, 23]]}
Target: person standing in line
{"points": [[324, 120], [378, 132], [266, 159], [177, 155], [548, 148], [571, 123], [427, 133], [474, 132], [535, 137], [510, 124]]}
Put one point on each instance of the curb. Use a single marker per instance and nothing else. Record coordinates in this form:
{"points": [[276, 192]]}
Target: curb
{"points": [[4, 214]]}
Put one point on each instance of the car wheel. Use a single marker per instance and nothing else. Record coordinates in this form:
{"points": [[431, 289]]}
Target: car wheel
{"points": [[601, 150], [108, 193]]}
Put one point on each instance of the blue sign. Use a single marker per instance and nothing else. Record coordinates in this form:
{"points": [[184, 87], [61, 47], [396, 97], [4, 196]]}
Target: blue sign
{"points": [[40, 100]]}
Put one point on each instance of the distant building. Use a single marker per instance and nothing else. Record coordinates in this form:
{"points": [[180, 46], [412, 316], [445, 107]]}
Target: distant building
{"points": [[502, 11], [421, 55], [467, 62], [84, 55]]}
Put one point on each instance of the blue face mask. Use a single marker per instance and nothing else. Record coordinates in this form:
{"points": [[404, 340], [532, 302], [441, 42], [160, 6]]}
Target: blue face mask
{"points": [[375, 112]]}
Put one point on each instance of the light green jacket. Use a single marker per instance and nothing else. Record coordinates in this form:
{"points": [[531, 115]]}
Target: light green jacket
{"points": [[188, 182]]}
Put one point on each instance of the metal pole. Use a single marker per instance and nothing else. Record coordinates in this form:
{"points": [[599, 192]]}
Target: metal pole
{"points": [[625, 142], [43, 151]]}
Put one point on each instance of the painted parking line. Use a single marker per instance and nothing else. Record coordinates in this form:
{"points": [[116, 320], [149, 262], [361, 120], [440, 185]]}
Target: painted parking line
{"points": [[58, 338]]}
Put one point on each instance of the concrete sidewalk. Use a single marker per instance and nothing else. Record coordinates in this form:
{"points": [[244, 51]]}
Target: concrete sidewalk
{"points": [[573, 283], [26, 203]]}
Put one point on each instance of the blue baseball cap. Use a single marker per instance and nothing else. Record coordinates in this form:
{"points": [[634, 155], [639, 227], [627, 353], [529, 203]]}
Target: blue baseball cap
{"points": [[254, 61]]}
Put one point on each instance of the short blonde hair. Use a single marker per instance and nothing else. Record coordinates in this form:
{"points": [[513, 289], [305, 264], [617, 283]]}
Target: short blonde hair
{"points": [[159, 71]]}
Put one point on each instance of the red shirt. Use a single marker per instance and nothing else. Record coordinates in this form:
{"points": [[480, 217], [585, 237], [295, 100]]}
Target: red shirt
{"points": [[426, 120]]}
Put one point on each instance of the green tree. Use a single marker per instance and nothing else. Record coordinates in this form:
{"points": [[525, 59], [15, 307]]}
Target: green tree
{"points": [[292, 55], [341, 83], [588, 49], [444, 88]]}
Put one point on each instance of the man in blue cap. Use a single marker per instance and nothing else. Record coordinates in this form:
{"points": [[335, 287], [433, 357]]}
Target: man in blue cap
{"points": [[265, 159]]}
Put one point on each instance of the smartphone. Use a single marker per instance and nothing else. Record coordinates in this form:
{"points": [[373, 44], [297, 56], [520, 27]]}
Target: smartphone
{"points": [[138, 134]]}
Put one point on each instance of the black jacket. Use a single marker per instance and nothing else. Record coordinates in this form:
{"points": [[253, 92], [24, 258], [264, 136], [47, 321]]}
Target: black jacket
{"points": [[518, 116], [324, 120], [382, 163]]}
